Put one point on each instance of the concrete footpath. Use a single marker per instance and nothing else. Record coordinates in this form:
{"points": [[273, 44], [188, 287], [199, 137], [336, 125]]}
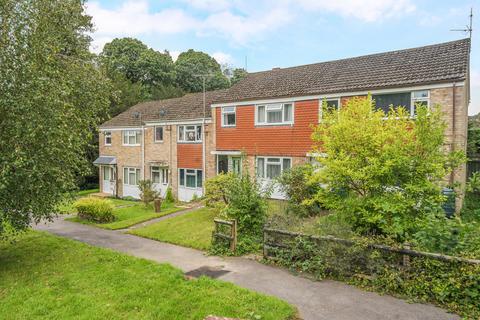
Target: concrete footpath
{"points": [[330, 300]]}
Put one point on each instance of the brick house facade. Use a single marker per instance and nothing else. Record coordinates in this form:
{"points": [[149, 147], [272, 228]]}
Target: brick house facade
{"points": [[266, 118]]}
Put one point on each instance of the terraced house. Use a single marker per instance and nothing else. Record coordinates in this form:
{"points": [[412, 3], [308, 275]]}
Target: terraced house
{"points": [[266, 118]]}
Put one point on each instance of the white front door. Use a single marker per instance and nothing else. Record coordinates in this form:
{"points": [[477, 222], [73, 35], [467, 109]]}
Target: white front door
{"points": [[108, 181], [159, 177], [131, 176]]}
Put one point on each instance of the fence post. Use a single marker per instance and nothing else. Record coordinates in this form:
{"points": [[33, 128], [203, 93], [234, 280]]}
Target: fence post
{"points": [[406, 257], [233, 234]]}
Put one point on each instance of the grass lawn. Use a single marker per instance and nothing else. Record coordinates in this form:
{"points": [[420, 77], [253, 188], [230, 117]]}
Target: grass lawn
{"points": [[193, 229], [47, 277], [129, 213]]}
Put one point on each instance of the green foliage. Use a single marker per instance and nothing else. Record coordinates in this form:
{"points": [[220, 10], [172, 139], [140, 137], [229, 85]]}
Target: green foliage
{"points": [[383, 170], [95, 209], [132, 58], [191, 64], [147, 192], [52, 97], [169, 198], [238, 74], [452, 285], [448, 236], [216, 190], [473, 139], [300, 186], [473, 185]]}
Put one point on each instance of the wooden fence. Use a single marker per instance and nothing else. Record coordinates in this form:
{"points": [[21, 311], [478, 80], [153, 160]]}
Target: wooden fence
{"points": [[225, 231], [271, 241]]}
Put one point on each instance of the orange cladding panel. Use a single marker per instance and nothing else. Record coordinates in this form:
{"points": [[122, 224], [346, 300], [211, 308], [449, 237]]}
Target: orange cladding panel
{"points": [[189, 155], [286, 140]]}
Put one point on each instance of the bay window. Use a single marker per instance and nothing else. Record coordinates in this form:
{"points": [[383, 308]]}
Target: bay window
{"points": [[272, 167], [271, 114], [190, 133]]}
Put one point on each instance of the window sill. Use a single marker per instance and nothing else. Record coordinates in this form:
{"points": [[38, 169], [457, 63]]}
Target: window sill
{"points": [[131, 145], [291, 124], [189, 142], [159, 141], [230, 126], [191, 188]]}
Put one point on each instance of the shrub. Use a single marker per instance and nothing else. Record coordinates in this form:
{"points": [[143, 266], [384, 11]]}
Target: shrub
{"points": [[216, 190], [169, 196], [384, 170], [299, 185], [147, 192], [95, 209]]}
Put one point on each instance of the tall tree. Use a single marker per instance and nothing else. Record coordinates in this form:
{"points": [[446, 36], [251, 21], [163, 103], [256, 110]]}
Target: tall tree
{"points": [[137, 62], [52, 97], [238, 74], [191, 65]]}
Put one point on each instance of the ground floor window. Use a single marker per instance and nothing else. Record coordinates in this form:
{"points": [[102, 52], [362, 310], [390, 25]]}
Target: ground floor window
{"points": [[159, 175], [190, 178], [272, 167], [131, 176]]}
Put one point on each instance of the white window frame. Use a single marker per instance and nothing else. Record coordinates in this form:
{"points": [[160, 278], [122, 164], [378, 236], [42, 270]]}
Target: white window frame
{"points": [[126, 134], [414, 100], [107, 134], [320, 112], [126, 178], [266, 162], [184, 129], [162, 174], [155, 133], [185, 170], [273, 106], [224, 112]]}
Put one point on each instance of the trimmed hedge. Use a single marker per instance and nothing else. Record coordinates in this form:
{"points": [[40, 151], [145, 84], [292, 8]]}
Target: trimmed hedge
{"points": [[95, 209]]}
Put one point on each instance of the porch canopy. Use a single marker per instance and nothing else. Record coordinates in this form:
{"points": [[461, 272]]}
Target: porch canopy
{"points": [[105, 160]]}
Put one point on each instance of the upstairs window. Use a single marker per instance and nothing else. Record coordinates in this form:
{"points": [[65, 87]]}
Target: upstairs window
{"points": [[131, 137], [158, 137], [331, 104], [190, 133], [272, 167], [408, 100], [108, 138], [228, 116], [271, 114]]}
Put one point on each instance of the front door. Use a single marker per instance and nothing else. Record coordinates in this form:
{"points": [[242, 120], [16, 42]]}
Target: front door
{"points": [[108, 183], [236, 165]]}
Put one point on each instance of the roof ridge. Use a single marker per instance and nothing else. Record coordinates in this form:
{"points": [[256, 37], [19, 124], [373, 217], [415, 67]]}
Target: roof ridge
{"points": [[362, 56]]}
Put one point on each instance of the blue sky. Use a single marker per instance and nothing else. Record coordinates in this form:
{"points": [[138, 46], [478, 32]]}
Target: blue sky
{"points": [[285, 33]]}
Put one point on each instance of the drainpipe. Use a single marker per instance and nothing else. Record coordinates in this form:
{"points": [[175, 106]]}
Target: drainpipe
{"points": [[452, 174], [204, 137], [143, 151]]}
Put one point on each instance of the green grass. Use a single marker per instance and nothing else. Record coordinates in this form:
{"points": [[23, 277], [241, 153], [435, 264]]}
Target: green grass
{"points": [[48, 277], [128, 213], [67, 207], [83, 193], [193, 229]]}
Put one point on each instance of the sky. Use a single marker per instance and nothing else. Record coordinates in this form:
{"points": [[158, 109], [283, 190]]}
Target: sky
{"points": [[263, 34]]}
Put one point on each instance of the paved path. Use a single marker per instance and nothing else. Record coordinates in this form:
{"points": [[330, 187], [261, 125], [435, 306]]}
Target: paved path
{"points": [[168, 216], [315, 299]]}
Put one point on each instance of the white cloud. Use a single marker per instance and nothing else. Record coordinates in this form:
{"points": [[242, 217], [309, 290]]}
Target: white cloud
{"points": [[174, 54], [210, 5], [366, 10], [223, 58], [243, 29], [98, 42], [475, 92]]}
